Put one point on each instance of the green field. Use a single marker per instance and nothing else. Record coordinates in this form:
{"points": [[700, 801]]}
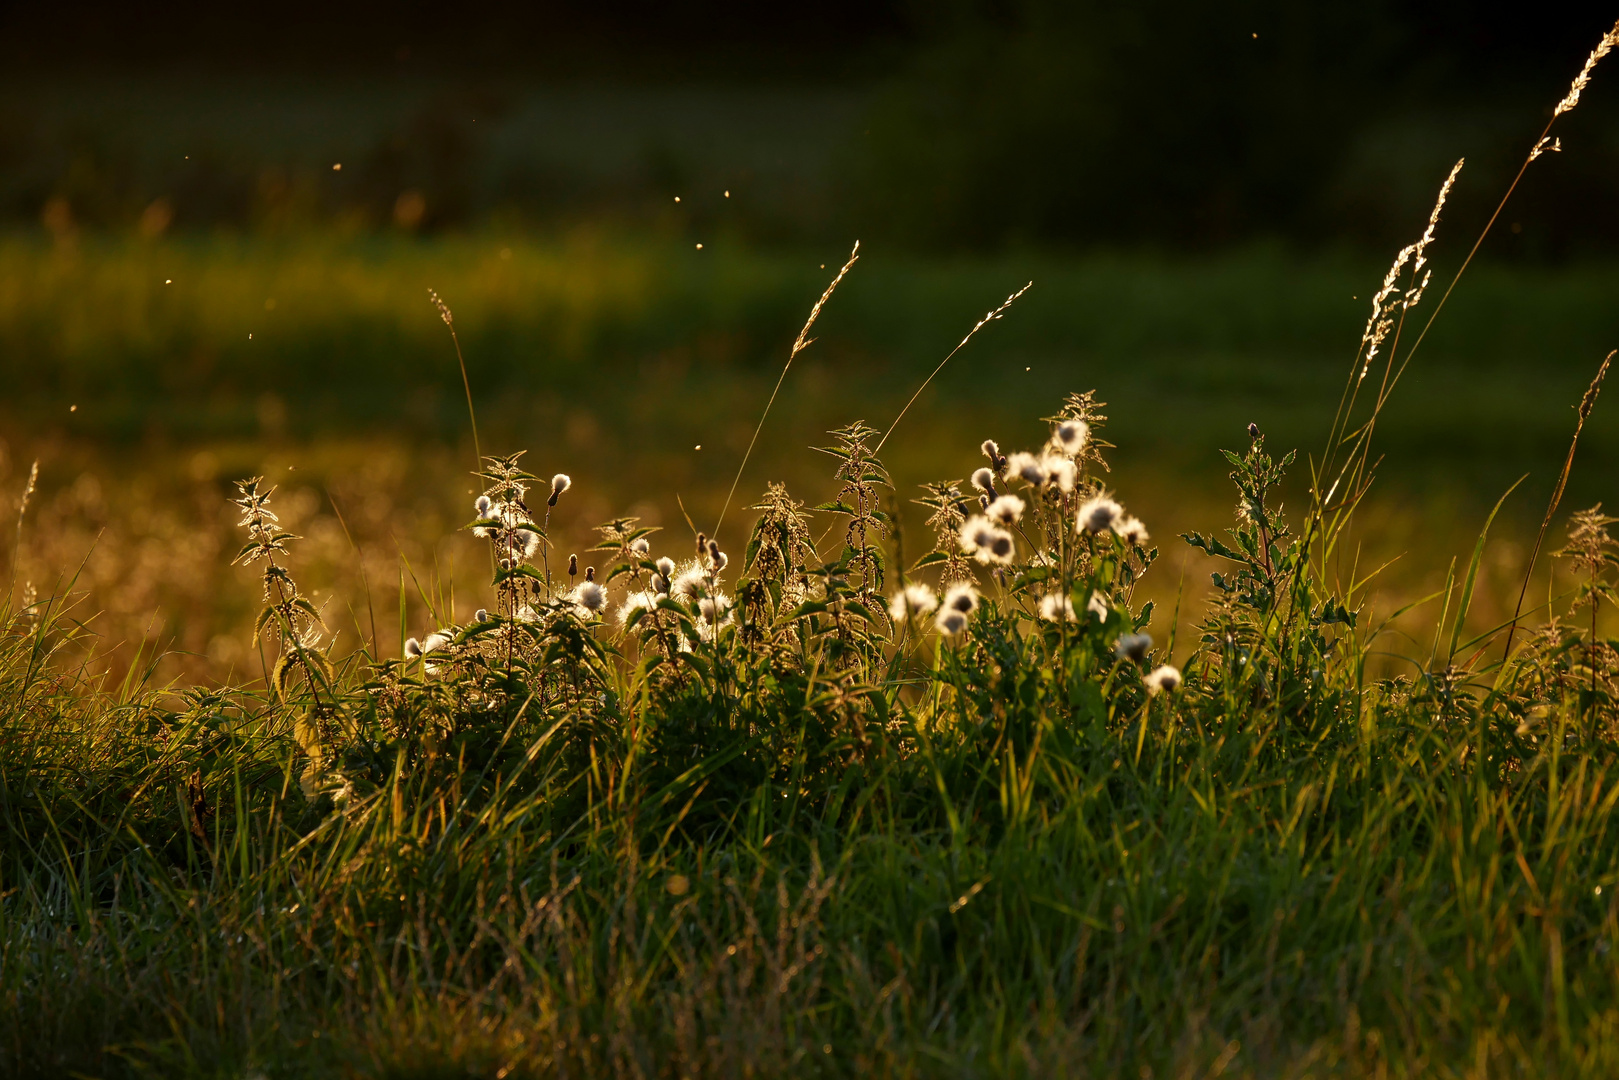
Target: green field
{"points": [[146, 375]]}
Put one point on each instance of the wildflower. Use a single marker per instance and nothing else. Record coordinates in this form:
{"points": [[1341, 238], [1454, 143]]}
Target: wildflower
{"points": [[484, 506], [1131, 531], [1056, 607], [715, 608], [690, 579], [1164, 678], [589, 599], [993, 452], [638, 601], [1059, 472], [661, 580], [976, 533], [1006, 510], [1026, 467], [435, 641], [950, 622], [413, 649], [961, 597], [559, 483], [1097, 605], [1099, 514], [1133, 647], [981, 539], [984, 481], [641, 546], [528, 542], [914, 599], [1070, 435]]}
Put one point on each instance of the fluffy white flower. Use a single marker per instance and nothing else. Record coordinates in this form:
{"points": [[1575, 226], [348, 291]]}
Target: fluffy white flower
{"points": [[559, 483], [950, 622], [914, 599], [484, 506], [589, 599], [638, 601], [1131, 531], [1056, 607], [689, 581], [436, 640], [1133, 647], [984, 481], [961, 597], [1165, 678], [1060, 473], [1069, 436], [413, 648], [1026, 467], [640, 546], [1006, 510], [527, 543], [1098, 514]]}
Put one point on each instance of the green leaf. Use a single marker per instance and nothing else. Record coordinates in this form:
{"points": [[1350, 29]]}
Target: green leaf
{"points": [[929, 559]]}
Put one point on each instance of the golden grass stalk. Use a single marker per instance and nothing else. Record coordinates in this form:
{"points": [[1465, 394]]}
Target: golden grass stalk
{"points": [[800, 343], [1587, 403], [979, 325]]}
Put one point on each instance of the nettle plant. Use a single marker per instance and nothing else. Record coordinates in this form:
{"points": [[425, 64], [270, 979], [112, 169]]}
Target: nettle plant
{"points": [[804, 660]]}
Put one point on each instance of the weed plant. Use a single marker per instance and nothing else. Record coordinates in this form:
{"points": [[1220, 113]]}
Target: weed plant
{"points": [[829, 806]]}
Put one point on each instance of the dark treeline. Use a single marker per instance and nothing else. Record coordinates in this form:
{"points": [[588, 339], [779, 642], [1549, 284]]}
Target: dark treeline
{"points": [[940, 125]]}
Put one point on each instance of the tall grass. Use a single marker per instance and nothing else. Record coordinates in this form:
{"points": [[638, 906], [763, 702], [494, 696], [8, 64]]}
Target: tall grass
{"points": [[834, 799]]}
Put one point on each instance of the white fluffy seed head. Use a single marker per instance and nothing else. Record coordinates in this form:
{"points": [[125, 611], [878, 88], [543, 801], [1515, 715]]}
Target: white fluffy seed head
{"points": [[590, 597], [1060, 472], [639, 601], [977, 533], [1056, 607], [1133, 647], [1006, 510], [640, 546], [529, 541], [999, 549], [1098, 514], [715, 609], [1026, 467], [666, 568], [690, 581], [561, 482], [984, 481], [914, 599], [1069, 436], [1165, 679], [435, 641], [1097, 605], [950, 622], [1131, 531], [413, 648], [481, 615], [484, 506], [961, 597]]}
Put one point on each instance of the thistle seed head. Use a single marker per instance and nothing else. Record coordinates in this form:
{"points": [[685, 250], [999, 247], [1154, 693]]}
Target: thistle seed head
{"points": [[590, 573], [984, 480], [961, 598], [1006, 510], [914, 599], [1056, 607], [413, 649], [1131, 531], [589, 599], [1026, 467], [1133, 647], [950, 622], [641, 546], [1098, 514], [484, 506], [1164, 679], [1070, 436]]}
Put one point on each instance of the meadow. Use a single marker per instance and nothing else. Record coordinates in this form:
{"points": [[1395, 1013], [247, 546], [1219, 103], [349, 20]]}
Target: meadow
{"points": [[999, 747]]}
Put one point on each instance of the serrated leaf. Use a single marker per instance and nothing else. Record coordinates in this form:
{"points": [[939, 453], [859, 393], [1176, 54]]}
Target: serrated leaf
{"points": [[929, 559]]}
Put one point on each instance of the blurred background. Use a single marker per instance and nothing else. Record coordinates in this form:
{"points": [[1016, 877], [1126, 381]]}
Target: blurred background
{"points": [[219, 226]]}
